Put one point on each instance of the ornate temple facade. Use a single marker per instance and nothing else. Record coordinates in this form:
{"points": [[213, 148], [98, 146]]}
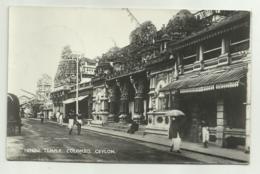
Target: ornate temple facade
{"points": [[205, 74], [63, 95], [199, 63]]}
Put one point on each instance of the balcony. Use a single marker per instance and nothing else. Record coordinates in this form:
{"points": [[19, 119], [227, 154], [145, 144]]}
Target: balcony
{"points": [[188, 62], [237, 50], [188, 68], [213, 57]]}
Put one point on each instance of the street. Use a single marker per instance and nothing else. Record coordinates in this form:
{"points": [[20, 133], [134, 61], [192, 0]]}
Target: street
{"points": [[51, 142]]}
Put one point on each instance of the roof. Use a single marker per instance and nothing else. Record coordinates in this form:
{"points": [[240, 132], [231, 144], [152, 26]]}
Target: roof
{"points": [[72, 100], [222, 24], [208, 81], [88, 60]]}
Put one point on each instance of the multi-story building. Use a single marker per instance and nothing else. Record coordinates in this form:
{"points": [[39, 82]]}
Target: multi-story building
{"points": [[204, 72], [211, 82], [88, 67]]}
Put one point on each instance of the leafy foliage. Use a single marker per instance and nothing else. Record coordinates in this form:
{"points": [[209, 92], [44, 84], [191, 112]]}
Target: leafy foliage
{"points": [[183, 23], [143, 35]]}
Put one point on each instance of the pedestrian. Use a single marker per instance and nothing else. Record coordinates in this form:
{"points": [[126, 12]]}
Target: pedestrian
{"points": [[71, 121], [205, 133], [79, 122], [58, 116], [61, 119], [42, 117], [133, 127], [174, 135]]}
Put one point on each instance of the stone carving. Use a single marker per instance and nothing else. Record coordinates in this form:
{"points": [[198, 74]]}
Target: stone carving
{"points": [[138, 85]]}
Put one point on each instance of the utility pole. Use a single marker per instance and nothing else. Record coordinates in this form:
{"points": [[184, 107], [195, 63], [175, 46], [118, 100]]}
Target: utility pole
{"points": [[133, 18], [77, 84]]}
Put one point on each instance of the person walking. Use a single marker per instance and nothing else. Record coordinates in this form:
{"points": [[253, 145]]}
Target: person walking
{"points": [[61, 119], [58, 116], [72, 118], [174, 135], [205, 133], [79, 122], [42, 117]]}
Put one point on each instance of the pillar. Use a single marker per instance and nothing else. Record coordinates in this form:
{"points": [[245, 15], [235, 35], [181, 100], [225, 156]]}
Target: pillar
{"points": [[198, 65], [138, 108], [138, 85], [220, 122], [150, 106], [113, 102], [195, 123], [123, 109], [224, 56], [176, 71], [248, 109], [224, 46], [64, 109], [180, 65], [123, 102], [200, 53]]}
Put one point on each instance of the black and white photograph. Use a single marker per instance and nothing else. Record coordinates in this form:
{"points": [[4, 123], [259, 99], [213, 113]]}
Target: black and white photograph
{"points": [[129, 85]]}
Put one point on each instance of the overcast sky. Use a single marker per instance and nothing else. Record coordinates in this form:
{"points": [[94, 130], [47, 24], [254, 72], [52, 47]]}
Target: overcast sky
{"points": [[37, 36]]}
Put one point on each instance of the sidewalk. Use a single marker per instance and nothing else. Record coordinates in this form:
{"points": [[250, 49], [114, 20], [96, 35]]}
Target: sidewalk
{"points": [[232, 154]]}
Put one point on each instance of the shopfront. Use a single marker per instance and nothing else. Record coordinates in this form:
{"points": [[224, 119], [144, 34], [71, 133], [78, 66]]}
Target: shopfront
{"points": [[218, 98], [70, 105]]}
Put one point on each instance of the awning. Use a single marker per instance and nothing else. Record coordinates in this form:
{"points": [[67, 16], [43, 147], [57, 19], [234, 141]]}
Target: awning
{"points": [[71, 100], [208, 81]]}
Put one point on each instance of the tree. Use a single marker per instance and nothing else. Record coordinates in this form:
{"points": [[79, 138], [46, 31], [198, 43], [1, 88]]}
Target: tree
{"points": [[183, 23], [143, 35]]}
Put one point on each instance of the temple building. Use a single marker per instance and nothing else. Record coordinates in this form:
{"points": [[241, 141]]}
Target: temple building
{"points": [[198, 63], [63, 95]]}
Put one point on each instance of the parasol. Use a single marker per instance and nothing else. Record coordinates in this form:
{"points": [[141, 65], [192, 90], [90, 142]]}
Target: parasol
{"points": [[179, 115]]}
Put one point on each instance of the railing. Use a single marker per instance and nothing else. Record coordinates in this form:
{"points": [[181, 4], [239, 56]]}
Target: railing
{"points": [[80, 86], [210, 57], [239, 46], [211, 62], [188, 68], [212, 53], [190, 56], [240, 133]]}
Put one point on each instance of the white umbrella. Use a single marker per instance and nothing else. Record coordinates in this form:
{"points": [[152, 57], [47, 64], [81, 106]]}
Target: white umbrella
{"points": [[174, 113]]}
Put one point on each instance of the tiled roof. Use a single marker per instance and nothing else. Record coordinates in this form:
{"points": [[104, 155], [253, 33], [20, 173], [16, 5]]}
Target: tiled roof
{"points": [[209, 81]]}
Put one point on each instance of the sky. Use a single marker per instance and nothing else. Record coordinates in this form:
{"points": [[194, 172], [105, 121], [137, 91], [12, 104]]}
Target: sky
{"points": [[38, 34]]}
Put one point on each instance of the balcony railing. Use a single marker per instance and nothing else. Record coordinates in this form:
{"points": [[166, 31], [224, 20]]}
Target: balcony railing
{"points": [[188, 68], [211, 62], [190, 56], [239, 46], [213, 57], [212, 53]]}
